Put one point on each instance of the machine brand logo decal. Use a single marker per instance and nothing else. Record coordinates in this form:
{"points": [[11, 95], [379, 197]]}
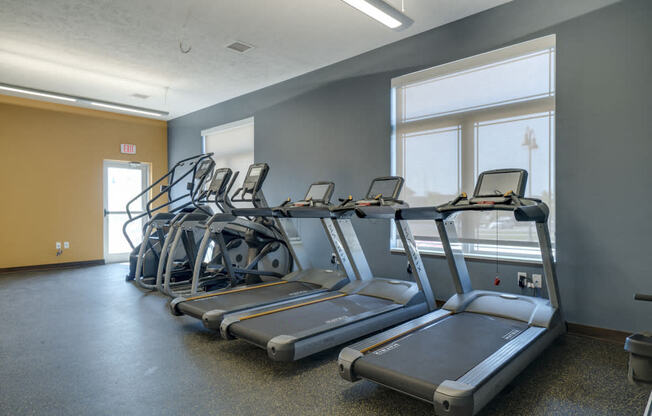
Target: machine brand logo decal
{"points": [[342, 257], [387, 348], [511, 334], [341, 318]]}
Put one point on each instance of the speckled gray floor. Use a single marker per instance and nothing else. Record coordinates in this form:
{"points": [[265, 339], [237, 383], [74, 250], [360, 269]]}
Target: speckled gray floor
{"points": [[82, 341]]}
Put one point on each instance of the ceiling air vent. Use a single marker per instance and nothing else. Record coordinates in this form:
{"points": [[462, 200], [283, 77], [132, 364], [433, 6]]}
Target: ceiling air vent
{"points": [[239, 47]]}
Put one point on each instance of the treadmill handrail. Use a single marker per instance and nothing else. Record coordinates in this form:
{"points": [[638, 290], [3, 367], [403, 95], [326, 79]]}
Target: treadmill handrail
{"points": [[524, 209], [378, 211], [254, 212], [308, 211], [165, 189]]}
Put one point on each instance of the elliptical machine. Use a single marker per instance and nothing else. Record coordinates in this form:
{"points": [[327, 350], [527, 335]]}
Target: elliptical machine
{"points": [[237, 250], [176, 262], [195, 167]]}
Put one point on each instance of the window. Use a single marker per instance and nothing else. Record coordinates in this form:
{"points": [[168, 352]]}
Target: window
{"points": [[232, 146], [490, 111]]}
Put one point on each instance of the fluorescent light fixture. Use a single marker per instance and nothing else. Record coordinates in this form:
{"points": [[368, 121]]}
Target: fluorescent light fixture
{"points": [[40, 94], [130, 109], [82, 101], [382, 12]]}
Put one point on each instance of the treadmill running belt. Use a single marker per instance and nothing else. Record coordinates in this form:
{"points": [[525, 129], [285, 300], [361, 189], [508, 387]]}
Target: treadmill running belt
{"points": [[261, 329], [230, 301], [419, 362]]}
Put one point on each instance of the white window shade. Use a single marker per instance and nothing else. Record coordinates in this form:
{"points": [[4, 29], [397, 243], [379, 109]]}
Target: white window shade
{"points": [[232, 146], [453, 121]]}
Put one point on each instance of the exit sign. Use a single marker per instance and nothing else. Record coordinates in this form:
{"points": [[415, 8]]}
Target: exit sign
{"points": [[129, 149]]}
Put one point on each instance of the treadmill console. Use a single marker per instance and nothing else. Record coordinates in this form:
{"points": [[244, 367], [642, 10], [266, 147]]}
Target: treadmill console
{"points": [[319, 193], [383, 191], [254, 179], [498, 186], [220, 181]]}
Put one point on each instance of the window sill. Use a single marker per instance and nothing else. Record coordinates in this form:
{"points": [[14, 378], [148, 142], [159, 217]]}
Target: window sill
{"points": [[474, 257]]}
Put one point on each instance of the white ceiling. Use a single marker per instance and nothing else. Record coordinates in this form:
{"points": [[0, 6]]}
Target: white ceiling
{"points": [[111, 49]]}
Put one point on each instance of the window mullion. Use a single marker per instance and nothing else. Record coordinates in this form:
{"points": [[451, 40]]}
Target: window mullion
{"points": [[467, 173]]}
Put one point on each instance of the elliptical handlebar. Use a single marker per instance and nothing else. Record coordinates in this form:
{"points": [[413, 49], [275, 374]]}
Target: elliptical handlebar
{"points": [[255, 201], [196, 191], [165, 189], [227, 200]]}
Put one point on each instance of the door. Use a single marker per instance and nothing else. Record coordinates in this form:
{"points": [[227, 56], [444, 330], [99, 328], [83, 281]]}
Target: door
{"points": [[122, 182]]}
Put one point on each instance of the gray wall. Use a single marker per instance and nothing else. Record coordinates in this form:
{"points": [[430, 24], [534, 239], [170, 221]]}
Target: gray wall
{"points": [[334, 124]]}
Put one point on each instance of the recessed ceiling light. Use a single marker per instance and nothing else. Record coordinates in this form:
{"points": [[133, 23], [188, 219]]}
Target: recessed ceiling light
{"points": [[37, 93], [382, 12], [240, 47]]}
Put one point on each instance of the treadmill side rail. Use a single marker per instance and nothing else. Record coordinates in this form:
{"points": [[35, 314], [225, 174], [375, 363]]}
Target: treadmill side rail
{"points": [[514, 365], [318, 330], [292, 348]]}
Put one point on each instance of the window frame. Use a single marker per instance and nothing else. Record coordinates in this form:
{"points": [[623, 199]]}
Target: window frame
{"points": [[467, 121]]}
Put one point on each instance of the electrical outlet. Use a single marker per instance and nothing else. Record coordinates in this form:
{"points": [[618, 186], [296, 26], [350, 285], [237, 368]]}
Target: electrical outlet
{"points": [[66, 244], [58, 245], [536, 279], [522, 279]]}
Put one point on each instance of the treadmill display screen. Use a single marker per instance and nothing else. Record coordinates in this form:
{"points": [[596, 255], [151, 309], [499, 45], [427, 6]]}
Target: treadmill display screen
{"points": [[385, 187], [497, 184], [318, 192]]}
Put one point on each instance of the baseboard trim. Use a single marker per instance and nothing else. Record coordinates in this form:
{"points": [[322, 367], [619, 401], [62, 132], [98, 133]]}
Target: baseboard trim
{"points": [[603, 334], [52, 266]]}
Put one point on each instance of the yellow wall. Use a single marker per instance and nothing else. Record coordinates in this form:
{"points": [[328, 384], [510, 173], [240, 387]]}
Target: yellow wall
{"points": [[51, 176]]}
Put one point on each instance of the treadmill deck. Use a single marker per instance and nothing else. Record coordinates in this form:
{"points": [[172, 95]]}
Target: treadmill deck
{"points": [[419, 362], [299, 320], [239, 299]]}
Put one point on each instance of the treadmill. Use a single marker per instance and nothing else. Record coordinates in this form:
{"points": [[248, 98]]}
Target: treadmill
{"points": [[301, 283], [461, 356], [297, 329]]}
